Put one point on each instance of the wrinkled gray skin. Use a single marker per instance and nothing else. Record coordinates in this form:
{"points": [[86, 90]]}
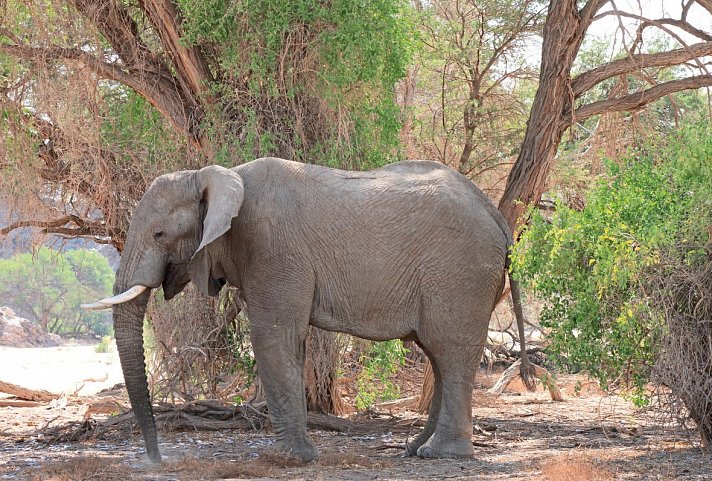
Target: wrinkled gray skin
{"points": [[411, 251]]}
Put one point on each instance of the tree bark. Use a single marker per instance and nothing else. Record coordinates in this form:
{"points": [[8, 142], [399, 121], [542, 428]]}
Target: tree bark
{"points": [[563, 33], [320, 371], [426, 395], [553, 110]]}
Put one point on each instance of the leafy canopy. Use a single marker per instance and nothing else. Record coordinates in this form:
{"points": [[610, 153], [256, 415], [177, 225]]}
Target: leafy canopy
{"points": [[284, 61]]}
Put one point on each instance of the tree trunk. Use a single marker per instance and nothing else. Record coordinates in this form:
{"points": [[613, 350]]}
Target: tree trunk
{"points": [[320, 371], [426, 395], [406, 133], [27, 394], [563, 34]]}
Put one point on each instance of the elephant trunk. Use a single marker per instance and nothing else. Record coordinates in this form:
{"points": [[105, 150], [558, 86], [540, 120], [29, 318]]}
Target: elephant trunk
{"points": [[128, 329]]}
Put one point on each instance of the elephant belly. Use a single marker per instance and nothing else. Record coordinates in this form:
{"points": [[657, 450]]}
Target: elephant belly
{"points": [[376, 323]]}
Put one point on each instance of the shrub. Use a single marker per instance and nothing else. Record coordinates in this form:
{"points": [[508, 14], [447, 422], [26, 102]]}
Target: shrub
{"points": [[380, 363], [104, 345], [595, 268]]}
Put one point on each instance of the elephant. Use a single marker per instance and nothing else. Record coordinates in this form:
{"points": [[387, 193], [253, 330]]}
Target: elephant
{"points": [[412, 251]]}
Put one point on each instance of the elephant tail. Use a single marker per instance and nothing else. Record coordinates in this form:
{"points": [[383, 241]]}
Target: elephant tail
{"points": [[526, 368]]}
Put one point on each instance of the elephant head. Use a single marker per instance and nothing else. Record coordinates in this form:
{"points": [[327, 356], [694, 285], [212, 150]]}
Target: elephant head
{"points": [[169, 242]]}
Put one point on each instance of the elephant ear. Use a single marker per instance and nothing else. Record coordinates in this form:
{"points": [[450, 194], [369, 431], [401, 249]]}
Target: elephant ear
{"points": [[221, 191]]}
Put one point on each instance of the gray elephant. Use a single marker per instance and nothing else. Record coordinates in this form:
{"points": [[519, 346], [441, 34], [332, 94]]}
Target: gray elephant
{"points": [[411, 251]]}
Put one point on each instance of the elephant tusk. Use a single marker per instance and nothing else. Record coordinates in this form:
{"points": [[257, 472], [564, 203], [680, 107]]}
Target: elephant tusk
{"points": [[132, 293]]}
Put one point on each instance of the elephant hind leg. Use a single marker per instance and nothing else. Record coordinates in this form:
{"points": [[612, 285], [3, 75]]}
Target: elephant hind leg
{"points": [[412, 447], [455, 353], [452, 433]]}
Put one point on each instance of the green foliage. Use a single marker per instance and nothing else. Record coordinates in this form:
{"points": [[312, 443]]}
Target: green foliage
{"points": [[47, 287], [134, 128], [380, 363], [591, 266], [104, 345], [282, 62]]}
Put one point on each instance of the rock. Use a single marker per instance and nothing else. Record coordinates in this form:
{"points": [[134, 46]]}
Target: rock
{"points": [[16, 331]]}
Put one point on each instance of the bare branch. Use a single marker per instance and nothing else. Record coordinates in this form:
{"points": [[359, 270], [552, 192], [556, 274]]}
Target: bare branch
{"points": [[639, 99], [587, 80], [588, 12], [58, 226], [119, 29], [159, 90]]}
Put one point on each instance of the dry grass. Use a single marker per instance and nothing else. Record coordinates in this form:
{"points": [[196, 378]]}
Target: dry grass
{"points": [[219, 469], [351, 460], [269, 464], [574, 468], [90, 468]]}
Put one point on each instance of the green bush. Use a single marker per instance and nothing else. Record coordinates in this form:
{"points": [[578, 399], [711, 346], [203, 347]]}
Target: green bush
{"points": [[380, 363], [591, 267], [104, 345]]}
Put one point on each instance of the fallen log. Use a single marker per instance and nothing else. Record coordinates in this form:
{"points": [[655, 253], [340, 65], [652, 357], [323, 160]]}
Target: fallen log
{"points": [[20, 392], [512, 372], [18, 403]]}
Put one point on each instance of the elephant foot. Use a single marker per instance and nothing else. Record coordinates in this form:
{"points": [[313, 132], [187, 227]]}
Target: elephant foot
{"points": [[300, 448], [435, 448], [411, 449]]}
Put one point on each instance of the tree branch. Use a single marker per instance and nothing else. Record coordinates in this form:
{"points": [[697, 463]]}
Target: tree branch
{"points": [[119, 29], [190, 63], [639, 99], [706, 4], [58, 226], [588, 12], [159, 90], [587, 80]]}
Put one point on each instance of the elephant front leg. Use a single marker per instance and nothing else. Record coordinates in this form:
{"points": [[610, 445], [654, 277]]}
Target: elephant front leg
{"points": [[279, 351]]}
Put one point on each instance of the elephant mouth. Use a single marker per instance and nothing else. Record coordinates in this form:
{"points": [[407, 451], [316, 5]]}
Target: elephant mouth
{"points": [[175, 280]]}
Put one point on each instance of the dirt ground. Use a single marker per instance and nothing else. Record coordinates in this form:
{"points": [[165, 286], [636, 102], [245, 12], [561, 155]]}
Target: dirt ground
{"points": [[519, 435]]}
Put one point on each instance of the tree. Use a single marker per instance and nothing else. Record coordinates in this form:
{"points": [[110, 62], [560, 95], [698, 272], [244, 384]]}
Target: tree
{"points": [[232, 82], [472, 69], [560, 101], [100, 97], [47, 287]]}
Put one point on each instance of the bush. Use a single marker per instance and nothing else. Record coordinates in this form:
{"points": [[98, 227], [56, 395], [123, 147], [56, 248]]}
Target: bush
{"points": [[198, 347], [104, 345], [680, 287], [684, 294], [595, 268], [380, 362]]}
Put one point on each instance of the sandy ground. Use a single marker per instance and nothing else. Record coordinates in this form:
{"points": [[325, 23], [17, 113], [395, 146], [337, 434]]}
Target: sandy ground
{"points": [[69, 369], [519, 435]]}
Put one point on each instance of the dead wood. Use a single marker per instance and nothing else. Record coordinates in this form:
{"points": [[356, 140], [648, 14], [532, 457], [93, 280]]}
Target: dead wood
{"points": [[27, 394], [512, 372], [13, 403], [205, 415]]}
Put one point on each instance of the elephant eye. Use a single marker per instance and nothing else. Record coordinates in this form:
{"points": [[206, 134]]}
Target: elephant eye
{"points": [[159, 235]]}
